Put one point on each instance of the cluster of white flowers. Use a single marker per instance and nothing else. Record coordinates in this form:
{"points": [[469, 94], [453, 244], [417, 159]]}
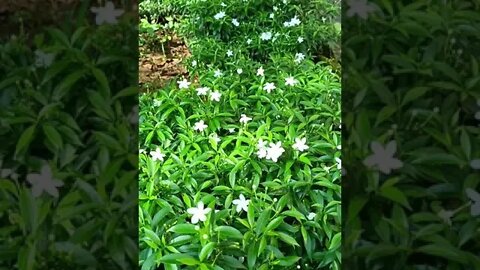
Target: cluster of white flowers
{"points": [[299, 57], [293, 22], [199, 213], [219, 15], [272, 152], [266, 35]]}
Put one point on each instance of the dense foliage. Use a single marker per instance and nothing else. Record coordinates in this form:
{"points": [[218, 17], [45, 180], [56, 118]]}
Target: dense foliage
{"points": [[239, 162], [411, 114], [68, 154]]}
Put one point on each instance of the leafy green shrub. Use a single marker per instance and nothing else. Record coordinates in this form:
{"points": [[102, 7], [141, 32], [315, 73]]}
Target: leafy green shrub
{"points": [[67, 178], [282, 22], [411, 112], [239, 163]]}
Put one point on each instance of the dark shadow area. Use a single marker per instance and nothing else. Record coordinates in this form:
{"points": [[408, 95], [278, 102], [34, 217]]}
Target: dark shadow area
{"points": [[410, 140], [68, 127]]}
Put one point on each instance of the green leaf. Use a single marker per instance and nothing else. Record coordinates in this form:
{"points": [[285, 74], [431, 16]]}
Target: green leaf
{"points": [[177, 258], [206, 251], [272, 225], [152, 236], [262, 221], [251, 215], [287, 239], [228, 232], [25, 140], [396, 195], [53, 136], [443, 251], [183, 229], [335, 242], [287, 261]]}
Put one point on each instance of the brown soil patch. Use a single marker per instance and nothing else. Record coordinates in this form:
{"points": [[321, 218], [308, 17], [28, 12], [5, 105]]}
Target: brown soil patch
{"points": [[158, 69]]}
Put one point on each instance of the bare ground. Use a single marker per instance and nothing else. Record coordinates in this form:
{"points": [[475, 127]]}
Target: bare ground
{"points": [[157, 68]]}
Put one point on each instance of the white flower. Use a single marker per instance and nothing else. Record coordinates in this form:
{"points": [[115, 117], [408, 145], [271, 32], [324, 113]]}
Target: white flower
{"points": [[202, 91], [311, 216], [219, 15], [382, 157], [339, 147], [241, 203], [107, 14], [223, 4], [244, 119], [275, 8], [446, 216], [235, 22], [200, 126], [229, 53], [275, 151], [43, 59], [291, 81], [157, 102], [300, 144], [262, 153], [475, 197], [475, 164], [295, 21], [260, 71], [218, 73], [231, 130], [44, 182], [324, 19], [197, 228], [361, 8], [183, 84], [215, 137], [262, 148], [266, 36], [157, 154], [239, 71], [300, 39], [339, 163], [269, 87], [271, 15], [215, 96], [249, 41], [199, 213], [299, 57], [194, 63], [262, 144]]}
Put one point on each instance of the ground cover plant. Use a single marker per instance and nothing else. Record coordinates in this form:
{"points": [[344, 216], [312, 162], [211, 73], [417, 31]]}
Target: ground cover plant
{"points": [[68, 161], [411, 111], [240, 159]]}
